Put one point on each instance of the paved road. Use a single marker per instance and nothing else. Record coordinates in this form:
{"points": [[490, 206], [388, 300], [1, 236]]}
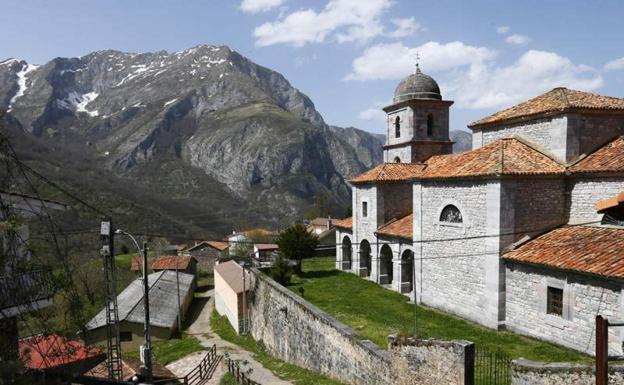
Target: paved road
{"points": [[200, 328]]}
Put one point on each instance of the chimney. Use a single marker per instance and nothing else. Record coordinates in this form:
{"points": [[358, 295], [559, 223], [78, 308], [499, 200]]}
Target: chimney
{"points": [[328, 222]]}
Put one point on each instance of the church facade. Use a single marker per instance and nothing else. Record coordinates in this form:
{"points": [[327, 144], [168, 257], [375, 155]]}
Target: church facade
{"points": [[443, 228]]}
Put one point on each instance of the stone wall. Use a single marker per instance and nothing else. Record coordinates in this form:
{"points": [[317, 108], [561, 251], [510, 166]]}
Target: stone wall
{"points": [[397, 198], [584, 193], [431, 362], [298, 332], [549, 133], [525, 372], [453, 284], [584, 297], [594, 131]]}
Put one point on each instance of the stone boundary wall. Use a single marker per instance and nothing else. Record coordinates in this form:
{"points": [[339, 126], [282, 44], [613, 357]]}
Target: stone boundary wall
{"points": [[298, 332], [524, 372]]}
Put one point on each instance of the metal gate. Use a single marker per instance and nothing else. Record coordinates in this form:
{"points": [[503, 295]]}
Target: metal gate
{"points": [[491, 367]]}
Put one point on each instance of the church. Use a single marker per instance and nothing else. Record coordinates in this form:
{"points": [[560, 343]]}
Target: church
{"points": [[525, 232]]}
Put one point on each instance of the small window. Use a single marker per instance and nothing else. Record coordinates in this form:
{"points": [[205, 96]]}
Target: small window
{"points": [[364, 209], [397, 159], [430, 125], [125, 336], [451, 214], [555, 301], [397, 127]]}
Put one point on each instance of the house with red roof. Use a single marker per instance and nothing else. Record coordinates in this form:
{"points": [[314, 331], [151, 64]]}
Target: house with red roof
{"points": [[207, 253], [54, 353], [182, 264], [442, 228]]}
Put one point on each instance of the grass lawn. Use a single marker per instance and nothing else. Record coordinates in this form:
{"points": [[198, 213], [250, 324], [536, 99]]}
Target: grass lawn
{"points": [[375, 312], [283, 370], [228, 379], [168, 351]]}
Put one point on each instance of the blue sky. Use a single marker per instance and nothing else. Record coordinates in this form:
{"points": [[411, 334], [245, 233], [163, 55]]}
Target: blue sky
{"points": [[348, 55]]}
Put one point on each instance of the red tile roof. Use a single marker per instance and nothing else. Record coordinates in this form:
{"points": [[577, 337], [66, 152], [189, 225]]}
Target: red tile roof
{"points": [[593, 250], [346, 223], [130, 367], [555, 101], [509, 156], [171, 262], [266, 246], [610, 203], [43, 352], [608, 158], [400, 228], [137, 263], [219, 245], [390, 172]]}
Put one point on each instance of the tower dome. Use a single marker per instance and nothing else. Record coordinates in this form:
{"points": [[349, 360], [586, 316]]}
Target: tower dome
{"points": [[417, 86]]}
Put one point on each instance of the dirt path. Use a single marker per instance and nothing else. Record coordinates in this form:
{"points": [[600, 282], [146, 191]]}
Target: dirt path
{"points": [[200, 328]]}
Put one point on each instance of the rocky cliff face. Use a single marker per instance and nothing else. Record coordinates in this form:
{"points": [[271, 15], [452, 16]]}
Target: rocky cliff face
{"points": [[165, 116]]}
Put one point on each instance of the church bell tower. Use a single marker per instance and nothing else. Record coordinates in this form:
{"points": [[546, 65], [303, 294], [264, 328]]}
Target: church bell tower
{"points": [[417, 123]]}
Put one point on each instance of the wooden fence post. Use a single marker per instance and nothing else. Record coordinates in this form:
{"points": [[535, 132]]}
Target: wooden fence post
{"points": [[602, 351]]}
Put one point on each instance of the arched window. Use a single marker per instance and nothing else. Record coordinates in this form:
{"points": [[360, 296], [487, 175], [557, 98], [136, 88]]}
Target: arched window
{"points": [[397, 159], [451, 214], [430, 125], [397, 127]]}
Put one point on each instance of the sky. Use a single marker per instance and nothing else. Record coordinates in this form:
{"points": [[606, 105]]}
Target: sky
{"points": [[349, 55]]}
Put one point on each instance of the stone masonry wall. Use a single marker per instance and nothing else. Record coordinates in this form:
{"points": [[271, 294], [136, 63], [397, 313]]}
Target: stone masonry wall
{"points": [[549, 133], [397, 198], [585, 193], [524, 372], [595, 131], [453, 284], [584, 298], [296, 331]]}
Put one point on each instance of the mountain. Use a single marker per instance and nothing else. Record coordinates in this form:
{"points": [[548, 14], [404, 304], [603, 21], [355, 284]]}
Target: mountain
{"points": [[213, 134], [462, 139]]}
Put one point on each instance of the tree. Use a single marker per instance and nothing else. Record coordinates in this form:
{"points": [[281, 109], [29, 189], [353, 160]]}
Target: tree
{"points": [[280, 271], [297, 243]]}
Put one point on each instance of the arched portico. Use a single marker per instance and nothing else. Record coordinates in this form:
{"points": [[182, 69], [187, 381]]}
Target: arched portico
{"points": [[385, 265], [346, 253], [365, 258], [407, 271]]}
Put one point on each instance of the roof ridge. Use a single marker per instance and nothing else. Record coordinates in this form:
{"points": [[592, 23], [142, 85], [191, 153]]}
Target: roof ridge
{"points": [[566, 101]]}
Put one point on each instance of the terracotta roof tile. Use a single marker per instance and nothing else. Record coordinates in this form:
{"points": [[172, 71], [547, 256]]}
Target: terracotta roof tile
{"points": [[171, 262], [219, 245], [508, 156], [137, 263], [400, 228], [390, 172], [266, 246], [610, 203], [47, 351], [346, 223], [594, 250], [608, 158], [557, 100]]}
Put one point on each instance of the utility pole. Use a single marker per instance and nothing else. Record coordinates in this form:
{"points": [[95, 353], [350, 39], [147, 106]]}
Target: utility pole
{"points": [[113, 352], [178, 296], [147, 349]]}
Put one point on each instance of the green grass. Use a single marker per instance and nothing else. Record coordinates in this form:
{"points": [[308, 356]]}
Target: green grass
{"points": [[283, 370], [167, 351], [228, 379], [375, 312]]}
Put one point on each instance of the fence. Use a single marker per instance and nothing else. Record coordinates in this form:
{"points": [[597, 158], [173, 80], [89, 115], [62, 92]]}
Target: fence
{"points": [[202, 372], [241, 377], [491, 368]]}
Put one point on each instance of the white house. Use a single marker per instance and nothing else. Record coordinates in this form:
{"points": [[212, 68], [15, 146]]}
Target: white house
{"points": [[231, 290]]}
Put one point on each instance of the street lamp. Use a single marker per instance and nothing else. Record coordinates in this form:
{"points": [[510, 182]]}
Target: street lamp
{"points": [[146, 351]]}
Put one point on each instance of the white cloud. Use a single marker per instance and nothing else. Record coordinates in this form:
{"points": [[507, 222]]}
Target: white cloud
{"points": [[405, 27], [471, 76], [395, 60], [616, 64], [503, 29], [517, 39], [343, 20], [255, 6], [374, 114]]}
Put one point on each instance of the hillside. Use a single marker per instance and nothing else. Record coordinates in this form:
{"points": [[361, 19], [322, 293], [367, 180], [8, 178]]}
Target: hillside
{"points": [[204, 138]]}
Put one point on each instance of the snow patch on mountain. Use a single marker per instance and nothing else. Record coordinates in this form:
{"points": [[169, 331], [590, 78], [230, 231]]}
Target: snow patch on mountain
{"points": [[77, 102], [21, 83]]}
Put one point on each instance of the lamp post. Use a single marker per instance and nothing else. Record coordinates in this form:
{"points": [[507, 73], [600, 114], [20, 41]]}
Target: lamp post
{"points": [[146, 356]]}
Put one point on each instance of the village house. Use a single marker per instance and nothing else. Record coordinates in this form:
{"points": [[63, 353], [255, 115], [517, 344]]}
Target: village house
{"points": [[463, 232], [325, 230], [53, 354], [21, 291], [207, 253], [164, 291], [186, 265], [265, 253], [230, 289]]}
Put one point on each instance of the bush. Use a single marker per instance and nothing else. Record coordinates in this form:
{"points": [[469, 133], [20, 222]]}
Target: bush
{"points": [[296, 243], [281, 271]]}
